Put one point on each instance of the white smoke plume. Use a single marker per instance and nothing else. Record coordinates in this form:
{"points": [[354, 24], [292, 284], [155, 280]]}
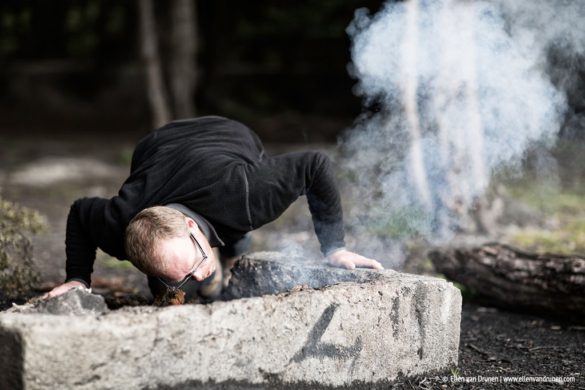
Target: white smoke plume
{"points": [[465, 88]]}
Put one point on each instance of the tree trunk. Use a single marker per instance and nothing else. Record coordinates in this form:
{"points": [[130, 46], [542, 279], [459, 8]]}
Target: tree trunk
{"points": [[157, 95], [512, 278], [182, 66]]}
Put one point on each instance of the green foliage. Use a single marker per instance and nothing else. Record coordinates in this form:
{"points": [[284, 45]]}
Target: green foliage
{"points": [[565, 208], [568, 239], [401, 224], [17, 271], [111, 262], [548, 199]]}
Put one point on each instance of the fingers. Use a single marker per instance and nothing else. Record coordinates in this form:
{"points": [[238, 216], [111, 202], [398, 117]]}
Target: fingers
{"points": [[51, 294], [55, 292], [377, 265], [347, 264], [59, 290], [341, 262], [368, 263], [350, 260]]}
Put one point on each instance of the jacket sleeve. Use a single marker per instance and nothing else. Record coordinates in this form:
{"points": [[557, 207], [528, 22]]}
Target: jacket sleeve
{"points": [[325, 205], [280, 180], [87, 229]]}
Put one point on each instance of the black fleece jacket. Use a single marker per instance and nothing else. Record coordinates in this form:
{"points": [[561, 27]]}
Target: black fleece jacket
{"points": [[218, 168]]}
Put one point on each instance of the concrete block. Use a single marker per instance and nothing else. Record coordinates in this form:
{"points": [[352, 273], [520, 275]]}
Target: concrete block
{"points": [[354, 334]]}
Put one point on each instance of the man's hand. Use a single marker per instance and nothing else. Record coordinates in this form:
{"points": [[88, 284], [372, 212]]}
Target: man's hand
{"points": [[62, 289], [346, 259]]}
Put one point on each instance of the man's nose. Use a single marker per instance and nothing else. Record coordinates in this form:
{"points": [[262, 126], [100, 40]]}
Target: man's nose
{"points": [[198, 275]]}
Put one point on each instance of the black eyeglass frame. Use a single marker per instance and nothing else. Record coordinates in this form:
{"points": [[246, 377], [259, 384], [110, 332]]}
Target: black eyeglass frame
{"points": [[193, 270]]}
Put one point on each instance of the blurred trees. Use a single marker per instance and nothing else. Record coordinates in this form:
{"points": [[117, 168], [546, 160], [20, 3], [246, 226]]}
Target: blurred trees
{"points": [[74, 60], [280, 63], [156, 90], [174, 100], [183, 67]]}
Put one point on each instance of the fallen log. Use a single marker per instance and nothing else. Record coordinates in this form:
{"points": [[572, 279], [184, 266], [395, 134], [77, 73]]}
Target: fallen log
{"points": [[512, 278]]}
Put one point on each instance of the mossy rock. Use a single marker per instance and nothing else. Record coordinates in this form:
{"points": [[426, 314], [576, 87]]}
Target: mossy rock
{"points": [[18, 274]]}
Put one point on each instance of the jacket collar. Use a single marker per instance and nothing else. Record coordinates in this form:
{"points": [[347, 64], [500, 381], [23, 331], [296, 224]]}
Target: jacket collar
{"points": [[206, 227]]}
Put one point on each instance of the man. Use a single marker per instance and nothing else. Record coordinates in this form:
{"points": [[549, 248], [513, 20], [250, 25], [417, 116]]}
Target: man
{"points": [[196, 184]]}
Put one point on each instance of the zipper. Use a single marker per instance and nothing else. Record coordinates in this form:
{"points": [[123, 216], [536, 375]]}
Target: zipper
{"points": [[247, 188]]}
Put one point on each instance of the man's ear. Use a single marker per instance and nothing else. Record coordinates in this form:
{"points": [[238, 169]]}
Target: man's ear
{"points": [[191, 223]]}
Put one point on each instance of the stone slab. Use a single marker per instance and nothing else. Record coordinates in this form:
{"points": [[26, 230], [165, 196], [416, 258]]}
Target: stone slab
{"points": [[249, 277], [77, 301], [353, 334]]}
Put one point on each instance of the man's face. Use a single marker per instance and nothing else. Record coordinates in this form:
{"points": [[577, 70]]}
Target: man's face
{"points": [[183, 256]]}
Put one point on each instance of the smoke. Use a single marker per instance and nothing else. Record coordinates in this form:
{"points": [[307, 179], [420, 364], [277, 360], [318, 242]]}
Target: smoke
{"points": [[464, 88]]}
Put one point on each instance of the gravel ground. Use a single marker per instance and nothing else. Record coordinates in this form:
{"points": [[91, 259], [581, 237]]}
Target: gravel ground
{"points": [[498, 346], [495, 344]]}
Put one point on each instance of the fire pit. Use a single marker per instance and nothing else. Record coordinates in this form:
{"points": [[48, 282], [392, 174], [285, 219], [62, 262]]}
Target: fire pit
{"points": [[282, 325]]}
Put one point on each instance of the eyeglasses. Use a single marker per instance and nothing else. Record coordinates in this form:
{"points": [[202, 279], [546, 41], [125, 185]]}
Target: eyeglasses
{"points": [[193, 270]]}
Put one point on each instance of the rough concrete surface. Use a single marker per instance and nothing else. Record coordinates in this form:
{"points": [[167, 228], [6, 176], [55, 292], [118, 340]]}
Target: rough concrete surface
{"points": [[249, 276], [351, 334]]}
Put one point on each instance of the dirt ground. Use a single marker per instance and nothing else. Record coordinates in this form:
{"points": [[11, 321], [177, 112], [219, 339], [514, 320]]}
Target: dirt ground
{"points": [[498, 346], [48, 174]]}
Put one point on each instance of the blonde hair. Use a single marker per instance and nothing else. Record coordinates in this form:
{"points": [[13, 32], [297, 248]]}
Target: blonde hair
{"points": [[145, 231]]}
